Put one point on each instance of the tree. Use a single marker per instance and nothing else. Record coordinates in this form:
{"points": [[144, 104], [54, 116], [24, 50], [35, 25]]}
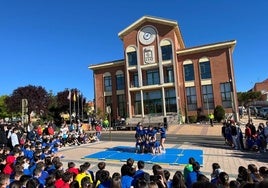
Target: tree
{"points": [[246, 97], [38, 99], [3, 107], [64, 103], [62, 100]]}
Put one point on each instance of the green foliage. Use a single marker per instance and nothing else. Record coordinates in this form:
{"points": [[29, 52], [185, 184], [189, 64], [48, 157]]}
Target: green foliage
{"points": [[100, 114], [245, 97], [62, 101], [219, 113], [192, 119], [3, 107]]}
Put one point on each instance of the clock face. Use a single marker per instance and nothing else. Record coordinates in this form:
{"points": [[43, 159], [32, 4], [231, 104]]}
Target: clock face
{"points": [[147, 35]]}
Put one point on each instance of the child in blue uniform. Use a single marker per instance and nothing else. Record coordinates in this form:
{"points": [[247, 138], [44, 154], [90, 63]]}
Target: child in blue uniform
{"points": [[162, 131]]}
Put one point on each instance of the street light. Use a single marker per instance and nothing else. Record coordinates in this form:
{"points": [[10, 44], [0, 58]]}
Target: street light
{"points": [[234, 112]]}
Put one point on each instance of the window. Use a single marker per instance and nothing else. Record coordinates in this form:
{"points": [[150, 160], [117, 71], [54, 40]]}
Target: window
{"points": [[121, 102], [107, 83], [152, 102], [191, 98], [134, 80], [137, 103], [108, 101], [226, 95], [132, 58], [208, 99], [189, 72], [169, 76], [120, 82], [166, 52], [171, 104], [205, 70], [152, 77]]}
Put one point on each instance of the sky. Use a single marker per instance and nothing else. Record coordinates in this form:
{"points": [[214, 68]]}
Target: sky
{"points": [[51, 43]]}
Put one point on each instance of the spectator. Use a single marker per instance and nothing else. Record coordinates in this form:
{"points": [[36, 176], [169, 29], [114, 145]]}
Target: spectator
{"points": [[243, 175], [101, 166], [188, 168], [98, 131], [216, 170], [72, 169], [178, 180], [83, 173], [192, 176], [223, 181], [254, 173]]}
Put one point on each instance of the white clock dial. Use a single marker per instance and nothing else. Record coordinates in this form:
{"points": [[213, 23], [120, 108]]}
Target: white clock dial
{"points": [[147, 35]]}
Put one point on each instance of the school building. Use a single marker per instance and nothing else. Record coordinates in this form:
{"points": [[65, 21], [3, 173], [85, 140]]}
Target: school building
{"points": [[160, 78]]}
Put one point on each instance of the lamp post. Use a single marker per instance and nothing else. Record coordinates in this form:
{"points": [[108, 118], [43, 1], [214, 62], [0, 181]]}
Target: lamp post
{"points": [[234, 112]]}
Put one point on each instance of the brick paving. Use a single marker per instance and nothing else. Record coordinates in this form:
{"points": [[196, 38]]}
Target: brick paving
{"points": [[228, 159]]}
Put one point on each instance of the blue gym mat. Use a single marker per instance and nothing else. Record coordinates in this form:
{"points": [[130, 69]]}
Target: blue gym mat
{"points": [[173, 156]]}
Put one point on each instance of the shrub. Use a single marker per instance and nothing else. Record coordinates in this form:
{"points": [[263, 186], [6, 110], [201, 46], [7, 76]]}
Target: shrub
{"points": [[219, 113], [192, 119]]}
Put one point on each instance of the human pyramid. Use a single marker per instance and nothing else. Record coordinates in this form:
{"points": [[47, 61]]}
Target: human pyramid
{"points": [[146, 141]]}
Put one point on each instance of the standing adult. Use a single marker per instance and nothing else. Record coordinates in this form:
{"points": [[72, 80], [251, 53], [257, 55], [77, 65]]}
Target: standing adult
{"points": [[252, 128], [266, 133], [14, 137], [98, 131], [211, 119], [106, 124], [234, 135], [3, 136]]}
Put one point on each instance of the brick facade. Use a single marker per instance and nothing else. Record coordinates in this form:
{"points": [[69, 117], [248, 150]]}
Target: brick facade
{"points": [[167, 33]]}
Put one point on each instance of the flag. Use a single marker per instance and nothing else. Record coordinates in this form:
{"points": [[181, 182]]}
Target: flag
{"points": [[74, 97], [69, 95]]}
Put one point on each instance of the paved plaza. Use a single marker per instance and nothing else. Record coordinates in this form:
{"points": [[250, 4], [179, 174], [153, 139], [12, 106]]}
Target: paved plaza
{"points": [[228, 158]]}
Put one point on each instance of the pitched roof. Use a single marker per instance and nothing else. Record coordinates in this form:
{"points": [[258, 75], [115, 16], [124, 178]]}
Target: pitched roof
{"points": [[153, 19]]}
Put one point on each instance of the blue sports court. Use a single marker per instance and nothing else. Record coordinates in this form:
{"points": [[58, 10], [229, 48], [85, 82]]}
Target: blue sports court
{"points": [[173, 156]]}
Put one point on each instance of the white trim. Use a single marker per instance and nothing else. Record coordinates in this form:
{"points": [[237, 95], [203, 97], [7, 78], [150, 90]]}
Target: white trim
{"points": [[207, 48], [189, 84], [187, 62], [119, 72], [206, 82], [107, 74], [203, 59]]}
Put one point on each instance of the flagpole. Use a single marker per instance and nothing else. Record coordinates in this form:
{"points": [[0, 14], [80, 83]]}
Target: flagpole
{"points": [[70, 105], [74, 99], [82, 107], [78, 101]]}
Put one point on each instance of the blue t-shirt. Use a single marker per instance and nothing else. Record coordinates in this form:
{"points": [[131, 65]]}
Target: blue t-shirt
{"points": [[151, 132], [162, 132], [126, 181], [192, 178]]}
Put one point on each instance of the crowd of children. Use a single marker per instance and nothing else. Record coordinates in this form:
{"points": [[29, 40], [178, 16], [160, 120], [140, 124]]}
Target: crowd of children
{"points": [[29, 154]]}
